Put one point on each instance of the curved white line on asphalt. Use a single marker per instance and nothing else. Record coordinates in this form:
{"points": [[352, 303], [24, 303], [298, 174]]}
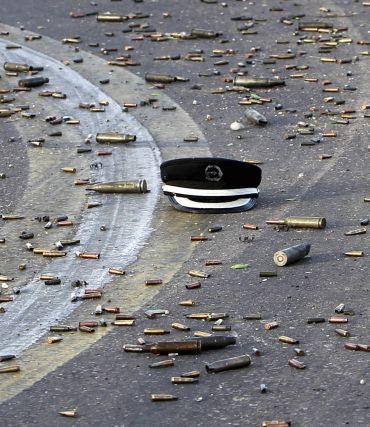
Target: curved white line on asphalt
{"points": [[128, 217]]}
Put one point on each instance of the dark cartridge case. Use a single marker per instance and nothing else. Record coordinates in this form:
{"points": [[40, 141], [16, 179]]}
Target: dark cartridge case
{"points": [[111, 18], [33, 82], [255, 117], [257, 82], [215, 342], [315, 320], [228, 364], [114, 137], [203, 34], [290, 255], [6, 357], [315, 25], [127, 187]]}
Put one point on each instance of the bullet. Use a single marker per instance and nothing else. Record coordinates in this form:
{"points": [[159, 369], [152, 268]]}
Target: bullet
{"points": [[314, 25], [276, 423], [263, 388], [342, 332], [315, 320], [354, 253], [11, 217], [116, 271], [54, 339], [87, 255], [180, 326], [124, 187], [62, 328], [198, 238], [195, 285], [199, 316], [215, 229], [70, 414], [8, 369], [52, 254], [255, 117], [185, 380], [191, 374], [221, 328], [300, 222], [6, 279], [203, 34], [250, 82], [153, 282], [288, 340], [159, 78], [162, 397], [163, 364], [268, 274], [216, 342], [228, 364], [6, 357], [180, 347], [200, 274], [201, 334], [151, 314], [294, 363], [70, 242], [111, 18], [88, 324], [270, 325], [351, 346], [217, 316], [250, 227], [133, 348], [104, 138], [256, 352], [125, 317], [187, 303], [53, 282], [356, 232], [5, 298], [33, 82], [151, 331], [114, 310], [252, 316], [91, 295], [292, 254], [20, 68], [123, 322], [336, 319]]}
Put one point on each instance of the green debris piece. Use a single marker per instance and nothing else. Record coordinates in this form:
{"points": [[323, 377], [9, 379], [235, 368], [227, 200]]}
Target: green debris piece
{"points": [[240, 266]]}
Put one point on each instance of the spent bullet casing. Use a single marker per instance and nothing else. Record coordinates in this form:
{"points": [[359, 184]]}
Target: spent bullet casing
{"points": [[301, 222], [159, 78], [123, 187], [114, 137], [162, 397], [315, 320], [163, 364], [292, 254], [288, 340], [191, 374], [20, 68], [33, 81], [294, 363], [228, 364], [183, 380], [8, 369], [6, 357], [250, 82]]}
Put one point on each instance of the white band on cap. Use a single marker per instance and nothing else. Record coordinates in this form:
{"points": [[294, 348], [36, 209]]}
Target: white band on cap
{"points": [[172, 189], [184, 201]]}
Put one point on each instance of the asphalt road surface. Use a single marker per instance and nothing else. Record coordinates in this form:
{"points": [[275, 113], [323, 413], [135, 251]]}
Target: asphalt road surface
{"points": [[324, 174]]}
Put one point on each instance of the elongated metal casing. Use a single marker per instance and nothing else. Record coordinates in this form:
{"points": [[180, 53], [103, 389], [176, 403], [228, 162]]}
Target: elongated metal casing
{"points": [[257, 82], [290, 255], [104, 138], [354, 253], [180, 347], [255, 117], [288, 340], [163, 364], [62, 328], [316, 320], [252, 316], [8, 369], [122, 187], [111, 18], [276, 423], [203, 34], [294, 363], [342, 332], [180, 326], [191, 374], [159, 78], [200, 274], [228, 364], [20, 68], [6, 357], [215, 342], [301, 222], [314, 25], [33, 82], [183, 380], [162, 397]]}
